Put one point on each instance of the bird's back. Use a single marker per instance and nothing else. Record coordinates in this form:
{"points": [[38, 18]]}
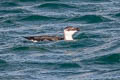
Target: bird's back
{"points": [[44, 38]]}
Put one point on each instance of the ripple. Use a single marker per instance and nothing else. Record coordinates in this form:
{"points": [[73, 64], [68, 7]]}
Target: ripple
{"points": [[20, 48], [2, 63], [51, 0], [55, 5], [106, 59], [12, 11], [69, 65], [51, 65], [40, 18], [37, 0], [92, 35], [9, 4], [27, 0], [82, 43], [90, 19], [109, 59], [101, 1], [7, 22], [30, 48], [117, 15]]}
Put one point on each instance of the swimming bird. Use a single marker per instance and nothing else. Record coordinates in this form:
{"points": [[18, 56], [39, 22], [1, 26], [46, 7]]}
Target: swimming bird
{"points": [[68, 35]]}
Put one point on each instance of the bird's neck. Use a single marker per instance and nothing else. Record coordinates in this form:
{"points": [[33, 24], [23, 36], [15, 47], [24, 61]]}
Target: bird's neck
{"points": [[68, 36]]}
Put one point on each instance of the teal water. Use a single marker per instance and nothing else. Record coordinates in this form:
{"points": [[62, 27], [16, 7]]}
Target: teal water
{"points": [[94, 55]]}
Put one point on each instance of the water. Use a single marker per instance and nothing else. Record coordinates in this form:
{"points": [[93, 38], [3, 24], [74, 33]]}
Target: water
{"points": [[94, 55]]}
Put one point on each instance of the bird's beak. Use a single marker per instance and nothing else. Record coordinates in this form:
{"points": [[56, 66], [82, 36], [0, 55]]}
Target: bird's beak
{"points": [[78, 29]]}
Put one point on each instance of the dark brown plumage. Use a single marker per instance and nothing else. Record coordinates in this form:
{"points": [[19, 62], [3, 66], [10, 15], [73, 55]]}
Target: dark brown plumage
{"points": [[44, 38]]}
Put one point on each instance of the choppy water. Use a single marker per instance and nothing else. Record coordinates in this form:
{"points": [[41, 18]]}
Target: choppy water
{"points": [[94, 55]]}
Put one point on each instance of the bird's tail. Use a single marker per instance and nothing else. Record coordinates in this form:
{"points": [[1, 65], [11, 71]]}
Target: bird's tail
{"points": [[29, 38]]}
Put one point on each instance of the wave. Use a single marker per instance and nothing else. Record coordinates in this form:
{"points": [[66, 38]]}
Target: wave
{"points": [[40, 18], [36, 0], [27, 0], [92, 35], [78, 43], [54, 65], [13, 11], [96, 1], [117, 15], [55, 5], [32, 48], [51, 0], [106, 59], [90, 19], [20, 48], [9, 4], [2, 63], [101, 1]]}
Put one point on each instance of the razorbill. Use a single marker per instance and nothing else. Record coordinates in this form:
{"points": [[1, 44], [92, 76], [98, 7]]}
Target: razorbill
{"points": [[68, 33]]}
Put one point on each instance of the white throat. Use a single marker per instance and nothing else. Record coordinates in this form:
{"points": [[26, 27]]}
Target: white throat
{"points": [[68, 35]]}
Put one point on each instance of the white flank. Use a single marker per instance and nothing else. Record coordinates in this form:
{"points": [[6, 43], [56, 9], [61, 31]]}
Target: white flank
{"points": [[34, 40]]}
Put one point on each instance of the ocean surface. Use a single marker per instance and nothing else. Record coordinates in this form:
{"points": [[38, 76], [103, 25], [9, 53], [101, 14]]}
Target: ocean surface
{"points": [[93, 55]]}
